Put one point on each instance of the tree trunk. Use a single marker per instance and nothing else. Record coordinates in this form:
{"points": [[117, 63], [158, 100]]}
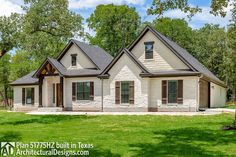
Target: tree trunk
{"points": [[2, 95], [2, 52], [6, 96]]}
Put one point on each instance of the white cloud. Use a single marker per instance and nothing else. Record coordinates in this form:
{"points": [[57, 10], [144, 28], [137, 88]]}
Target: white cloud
{"points": [[84, 4], [7, 7], [202, 18]]}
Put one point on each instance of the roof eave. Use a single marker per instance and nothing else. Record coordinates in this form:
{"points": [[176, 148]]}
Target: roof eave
{"points": [[36, 75], [24, 84], [169, 75], [113, 62], [220, 83]]}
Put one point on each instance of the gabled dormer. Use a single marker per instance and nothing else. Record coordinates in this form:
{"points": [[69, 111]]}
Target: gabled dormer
{"points": [[154, 54], [79, 55]]}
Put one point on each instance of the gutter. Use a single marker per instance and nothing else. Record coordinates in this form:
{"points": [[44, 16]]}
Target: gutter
{"points": [[23, 84], [168, 75]]}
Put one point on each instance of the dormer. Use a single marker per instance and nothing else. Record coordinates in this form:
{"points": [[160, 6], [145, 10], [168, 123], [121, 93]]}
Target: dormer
{"points": [[75, 58], [154, 54], [79, 55]]}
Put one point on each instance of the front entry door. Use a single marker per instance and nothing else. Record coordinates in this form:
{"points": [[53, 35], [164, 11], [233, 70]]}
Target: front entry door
{"points": [[58, 102]]}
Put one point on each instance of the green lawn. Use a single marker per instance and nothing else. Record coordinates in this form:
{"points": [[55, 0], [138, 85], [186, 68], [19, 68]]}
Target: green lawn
{"points": [[231, 106], [146, 136]]}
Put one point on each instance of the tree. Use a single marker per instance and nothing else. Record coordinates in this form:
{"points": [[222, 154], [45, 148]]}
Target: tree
{"points": [[10, 28], [115, 26], [4, 77], [48, 25], [211, 47], [21, 64], [232, 45], [177, 30], [217, 7]]}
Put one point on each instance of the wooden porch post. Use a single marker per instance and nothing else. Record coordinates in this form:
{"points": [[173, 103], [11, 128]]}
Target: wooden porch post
{"points": [[40, 91], [61, 92]]}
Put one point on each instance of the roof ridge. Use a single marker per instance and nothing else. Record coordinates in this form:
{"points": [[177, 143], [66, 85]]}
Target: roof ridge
{"points": [[186, 53], [180, 52], [94, 46]]}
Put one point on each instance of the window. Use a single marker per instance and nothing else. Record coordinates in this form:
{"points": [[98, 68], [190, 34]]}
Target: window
{"points": [[29, 95], [73, 59], [84, 91], [124, 92], [172, 91], [148, 50]]}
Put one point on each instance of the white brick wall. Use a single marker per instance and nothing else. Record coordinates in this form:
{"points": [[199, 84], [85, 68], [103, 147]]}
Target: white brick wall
{"points": [[126, 70], [83, 104], [18, 97], [190, 88]]}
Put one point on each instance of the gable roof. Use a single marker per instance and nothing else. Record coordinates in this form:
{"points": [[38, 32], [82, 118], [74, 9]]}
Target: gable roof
{"points": [[58, 66], [181, 53], [65, 72], [26, 80], [95, 54], [131, 56]]}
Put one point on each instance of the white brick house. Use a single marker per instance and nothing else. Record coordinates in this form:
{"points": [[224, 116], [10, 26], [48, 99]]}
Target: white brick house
{"points": [[152, 74]]}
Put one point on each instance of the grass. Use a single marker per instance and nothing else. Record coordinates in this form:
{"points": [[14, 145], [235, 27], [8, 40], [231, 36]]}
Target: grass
{"points": [[114, 136], [231, 106]]}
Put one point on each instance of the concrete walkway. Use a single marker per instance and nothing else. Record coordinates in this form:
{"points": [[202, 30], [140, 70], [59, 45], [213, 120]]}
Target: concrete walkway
{"points": [[126, 113], [222, 110]]}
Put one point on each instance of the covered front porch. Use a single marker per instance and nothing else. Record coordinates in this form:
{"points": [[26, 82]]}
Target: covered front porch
{"points": [[52, 92], [51, 87]]}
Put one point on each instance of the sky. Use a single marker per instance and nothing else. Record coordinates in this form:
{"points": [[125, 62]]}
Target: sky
{"points": [[86, 7]]}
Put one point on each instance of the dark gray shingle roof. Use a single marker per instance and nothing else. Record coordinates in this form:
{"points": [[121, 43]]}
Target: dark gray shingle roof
{"points": [[60, 68], [172, 73], [26, 80], [99, 56], [73, 72], [82, 72], [70, 72], [131, 56], [190, 59]]}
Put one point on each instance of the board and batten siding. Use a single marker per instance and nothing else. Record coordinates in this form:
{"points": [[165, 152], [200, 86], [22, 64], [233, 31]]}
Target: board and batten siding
{"points": [[217, 95], [82, 60], [126, 70], [190, 89], [18, 98], [86, 105], [163, 57]]}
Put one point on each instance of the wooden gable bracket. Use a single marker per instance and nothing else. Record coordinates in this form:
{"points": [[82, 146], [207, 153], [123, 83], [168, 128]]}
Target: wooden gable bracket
{"points": [[48, 70]]}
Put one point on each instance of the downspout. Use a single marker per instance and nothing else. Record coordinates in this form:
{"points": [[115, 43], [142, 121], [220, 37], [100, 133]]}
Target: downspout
{"points": [[198, 92], [102, 92]]}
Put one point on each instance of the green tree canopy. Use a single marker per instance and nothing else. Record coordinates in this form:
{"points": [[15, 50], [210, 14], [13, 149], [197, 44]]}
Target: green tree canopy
{"points": [[21, 64], [115, 26], [10, 28], [4, 77], [48, 25], [217, 7], [177, 30]]}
